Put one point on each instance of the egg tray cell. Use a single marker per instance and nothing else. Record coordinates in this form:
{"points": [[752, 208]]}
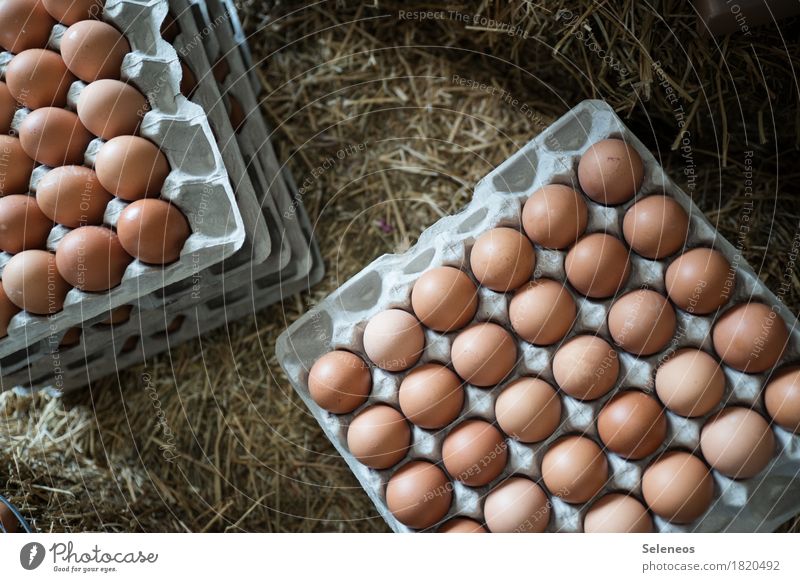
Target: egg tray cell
{"points": [[104, 350], [198, 183], [338, 322]]}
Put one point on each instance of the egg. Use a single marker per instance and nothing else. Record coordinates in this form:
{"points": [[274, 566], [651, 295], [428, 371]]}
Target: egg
{"points": [[153, 231], [71, 337], [8, 521], [32, 282], [24, 24], [91, 258], [586, 367], [528, 410], [598, 265], [339, 382], [483, 354], [118, 316], [110, 108], [542, 312], [15, 166], [394, 340], [782, 398], [8, 107], [574, 469], [54, 137], [7, 311], [39, 78], [131, 167], [379, 437], [94, 50], [700, 281], [632, 424], [431, 396], [518, 505], [678, 487], [691, 383], [461, 525], [444, 299], [554, 216], [22, 224], [641, 322], [750, 337], [72, 196], [656, 227], [502, 259], [475, 453], [419, 494], [71, 11], [617, 513], [737, 442], [610, 172]]}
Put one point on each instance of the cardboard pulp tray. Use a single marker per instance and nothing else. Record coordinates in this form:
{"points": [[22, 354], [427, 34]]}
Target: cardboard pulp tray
{"points": [[760, 503]]}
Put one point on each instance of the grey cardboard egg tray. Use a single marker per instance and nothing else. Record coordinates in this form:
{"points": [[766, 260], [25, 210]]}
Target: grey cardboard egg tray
{"points": [[338, 322], [197, 184]]}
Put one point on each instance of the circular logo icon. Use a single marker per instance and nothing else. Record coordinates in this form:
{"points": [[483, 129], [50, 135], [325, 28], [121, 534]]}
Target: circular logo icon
{"points": [[31, 555]]}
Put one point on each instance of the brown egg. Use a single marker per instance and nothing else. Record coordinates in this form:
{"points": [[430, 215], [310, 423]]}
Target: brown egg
{"points": [[431, 396], [656, 227], [339, 382], [782, 398], [678, 487], [7, 311], [419, 494], [188, 80], [32, 282], [8, 521], [700, 281], [617, 513], [574, 469], [518, 505], [554, 216], [24, 24], [528, 409], [597, 266], [632, 424], [72, 196], [39, 78], [462, 525], [691, 383], [444, 299], [474, 453], [153, 231], [94, 50], [71, 11], [118, 316], [110, 108], [610, 172], [641, 322], [22, 224], [91, 258], [750, 337], [394, 340], [54, 137], [15, 166], [737, 442], [502, 259], [586, 367], [379, 437], [484, 354], [542, 312], [8, 107], [71, 337], [131, 167]]}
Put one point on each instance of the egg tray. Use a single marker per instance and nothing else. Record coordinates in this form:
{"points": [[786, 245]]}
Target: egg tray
{"points": [[104, 350], [338, 322], [197, 184]]}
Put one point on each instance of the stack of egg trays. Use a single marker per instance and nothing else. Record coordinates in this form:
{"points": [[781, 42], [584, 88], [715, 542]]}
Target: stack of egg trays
{"points": [[337, 322], [198, 184], [241, 285]]}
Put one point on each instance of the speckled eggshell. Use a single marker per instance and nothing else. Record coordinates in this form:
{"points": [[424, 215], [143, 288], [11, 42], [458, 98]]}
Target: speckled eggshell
{"points": [[339, 382]]}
